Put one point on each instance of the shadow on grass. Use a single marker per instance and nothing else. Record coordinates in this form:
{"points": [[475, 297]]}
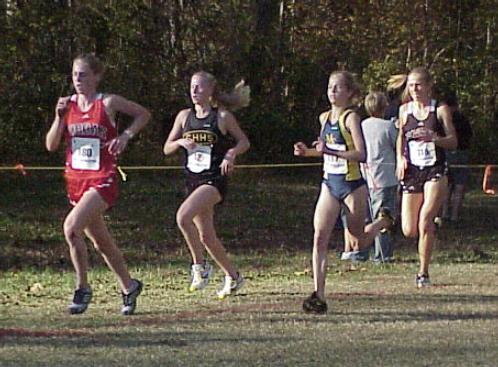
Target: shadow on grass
{"points": [[344, 308], [129, 339]]}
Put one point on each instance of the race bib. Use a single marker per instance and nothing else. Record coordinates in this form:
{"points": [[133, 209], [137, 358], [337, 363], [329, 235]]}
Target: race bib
{"points": [[333, 164], [199, 159], [422, 154], [85, 154]]}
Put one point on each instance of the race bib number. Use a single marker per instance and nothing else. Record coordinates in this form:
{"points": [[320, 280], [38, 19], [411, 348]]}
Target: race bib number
{"points": [[333, 164], [422, 154], [199, 159], [85, 154]]}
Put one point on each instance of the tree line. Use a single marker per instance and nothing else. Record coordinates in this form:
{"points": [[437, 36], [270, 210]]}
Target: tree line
{"points": [[284, 49]]}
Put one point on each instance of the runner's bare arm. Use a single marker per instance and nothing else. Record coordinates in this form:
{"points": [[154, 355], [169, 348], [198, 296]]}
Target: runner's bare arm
{"points": [[54, 135], [175, 140], [140, 114], [449, 141], [401, 163], [302, 150], [230, 125], [353, 125]]}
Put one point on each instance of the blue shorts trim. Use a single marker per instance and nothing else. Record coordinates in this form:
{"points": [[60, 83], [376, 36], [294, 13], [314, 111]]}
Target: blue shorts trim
{"points": [[339, 188]]}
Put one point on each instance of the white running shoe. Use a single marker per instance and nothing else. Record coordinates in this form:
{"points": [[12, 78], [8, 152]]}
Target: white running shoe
{"points": [[422, 281], [200, 276], [349, 255], [230, 286]]}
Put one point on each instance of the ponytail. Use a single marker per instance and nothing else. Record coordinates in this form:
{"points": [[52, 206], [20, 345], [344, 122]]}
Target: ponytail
{"points": [[398, 81], [239, 97]]}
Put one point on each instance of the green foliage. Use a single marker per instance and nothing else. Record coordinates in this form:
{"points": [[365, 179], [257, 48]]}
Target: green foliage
{"points": [[284, 49]]}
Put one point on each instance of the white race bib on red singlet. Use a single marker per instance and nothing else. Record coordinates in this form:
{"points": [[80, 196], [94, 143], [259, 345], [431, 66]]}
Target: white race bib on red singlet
{"points": [[199, 159], [85, 153], [422, 154], [333, 164]]}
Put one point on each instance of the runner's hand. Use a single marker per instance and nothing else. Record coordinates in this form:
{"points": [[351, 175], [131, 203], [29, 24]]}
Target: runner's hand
{"points": [[227, 165], [319, 145], [187, 143], [423, 134], [118, 145], [62, 106], [300, 149], [401, 167]]}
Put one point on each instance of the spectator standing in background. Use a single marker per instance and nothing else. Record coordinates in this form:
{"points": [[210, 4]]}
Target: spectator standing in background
{"points": [[457, 176], [380, 167]]}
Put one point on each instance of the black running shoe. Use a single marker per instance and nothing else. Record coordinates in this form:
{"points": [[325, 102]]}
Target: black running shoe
{"points": [[81, 300], [315, 305], [130, 300]]}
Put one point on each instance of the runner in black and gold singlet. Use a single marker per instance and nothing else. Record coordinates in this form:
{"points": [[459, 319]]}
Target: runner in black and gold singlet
{"points": [[204, 133], [203, 163]]}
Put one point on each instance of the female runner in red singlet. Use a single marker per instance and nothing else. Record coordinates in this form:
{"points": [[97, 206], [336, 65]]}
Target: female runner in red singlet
{"points": [[85, 121]]}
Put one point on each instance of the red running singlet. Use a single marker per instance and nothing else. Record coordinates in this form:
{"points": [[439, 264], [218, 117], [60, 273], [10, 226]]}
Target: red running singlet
{"points": [[89, 165]]}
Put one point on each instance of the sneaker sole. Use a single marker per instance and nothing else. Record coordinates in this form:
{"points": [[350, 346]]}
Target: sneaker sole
{"points": [[74, 311], [193, 289]]}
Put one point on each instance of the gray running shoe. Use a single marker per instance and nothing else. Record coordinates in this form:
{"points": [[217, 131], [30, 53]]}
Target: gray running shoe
{"points": [[81, 300], [422, 281], [130, 300]]}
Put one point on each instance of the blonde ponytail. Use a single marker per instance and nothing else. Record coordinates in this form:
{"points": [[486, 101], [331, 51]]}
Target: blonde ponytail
{"points": [[396, 82], [238, 98]]}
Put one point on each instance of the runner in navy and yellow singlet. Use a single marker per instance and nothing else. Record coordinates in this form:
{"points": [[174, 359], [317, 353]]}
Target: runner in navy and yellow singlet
{"points": [[205, 132], [85, 121], [426, 130], [342, 147]]}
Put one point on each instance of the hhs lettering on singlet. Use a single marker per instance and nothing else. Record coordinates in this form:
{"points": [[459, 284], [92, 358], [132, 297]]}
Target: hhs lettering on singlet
{"points": [[199, 158]]}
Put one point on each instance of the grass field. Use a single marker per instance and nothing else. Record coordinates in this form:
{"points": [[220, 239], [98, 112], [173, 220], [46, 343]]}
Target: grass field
{"points": [[376, 316]]}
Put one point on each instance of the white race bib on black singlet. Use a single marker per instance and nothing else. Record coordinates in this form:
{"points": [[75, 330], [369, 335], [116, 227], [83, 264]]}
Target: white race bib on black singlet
{"points": [[85, 153], [333, 164], [422, 154], [199, 159]]}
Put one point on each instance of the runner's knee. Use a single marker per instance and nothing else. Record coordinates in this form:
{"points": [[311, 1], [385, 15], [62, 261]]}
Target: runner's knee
{"points": [[409, 230], [184, 218], [72, 231], [427, 225], [321, 240]]}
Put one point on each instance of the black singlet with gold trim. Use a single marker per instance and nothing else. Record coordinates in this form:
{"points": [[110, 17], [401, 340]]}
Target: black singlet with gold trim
{"points": [[204, 161]]}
